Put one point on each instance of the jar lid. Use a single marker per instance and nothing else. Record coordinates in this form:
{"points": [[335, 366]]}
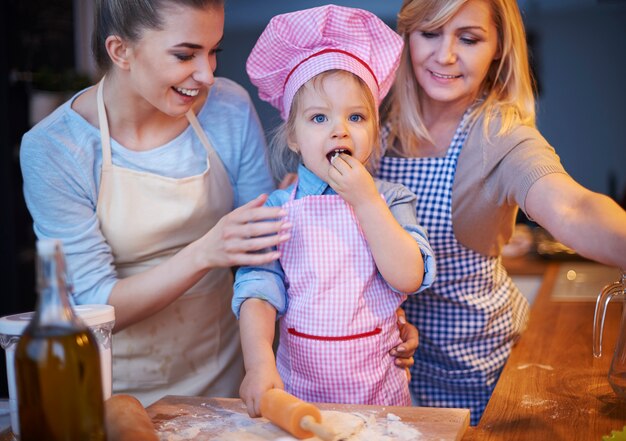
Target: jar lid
{"points": [[91, 315]]}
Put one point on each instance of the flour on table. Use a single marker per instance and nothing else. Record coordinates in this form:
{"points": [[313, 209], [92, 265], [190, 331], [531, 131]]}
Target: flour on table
{"points": [[234, 426], [357, 426], [348, 427], [345, 425]]}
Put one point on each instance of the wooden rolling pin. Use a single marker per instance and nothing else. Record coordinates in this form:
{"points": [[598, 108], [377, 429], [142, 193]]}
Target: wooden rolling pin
{"points": [[299, 418], [127, 420]]}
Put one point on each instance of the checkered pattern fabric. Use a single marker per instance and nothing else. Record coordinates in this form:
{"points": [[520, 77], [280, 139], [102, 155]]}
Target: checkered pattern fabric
{"points": [[296, 46], [340, 322], [471, 316]]}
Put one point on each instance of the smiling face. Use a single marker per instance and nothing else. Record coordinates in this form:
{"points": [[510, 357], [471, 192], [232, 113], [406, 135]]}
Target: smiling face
{"points": [[451, 62], [332, 113], [172, 67]]}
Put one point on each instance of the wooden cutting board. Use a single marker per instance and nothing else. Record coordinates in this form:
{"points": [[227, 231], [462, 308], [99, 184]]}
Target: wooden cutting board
{"points": [[200, 418]]}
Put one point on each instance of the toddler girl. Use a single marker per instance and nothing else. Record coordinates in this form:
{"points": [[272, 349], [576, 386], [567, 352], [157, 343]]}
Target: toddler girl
{"points": [[355, 250]]}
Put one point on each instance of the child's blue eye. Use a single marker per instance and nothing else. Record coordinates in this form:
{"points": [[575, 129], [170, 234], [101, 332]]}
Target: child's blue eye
{"points": [[319, 118], [356, 118]]}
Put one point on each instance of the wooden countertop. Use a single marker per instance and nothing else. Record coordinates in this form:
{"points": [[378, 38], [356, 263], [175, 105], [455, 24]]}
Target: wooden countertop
{"points": [[552, 388], [224, 419]]}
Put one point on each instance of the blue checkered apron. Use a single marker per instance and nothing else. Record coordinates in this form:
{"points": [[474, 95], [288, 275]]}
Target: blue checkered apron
{"points": [[473, 313]]}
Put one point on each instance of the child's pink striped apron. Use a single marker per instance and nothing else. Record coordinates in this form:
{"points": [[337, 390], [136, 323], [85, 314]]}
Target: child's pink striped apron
{"points": [[340, 322]]}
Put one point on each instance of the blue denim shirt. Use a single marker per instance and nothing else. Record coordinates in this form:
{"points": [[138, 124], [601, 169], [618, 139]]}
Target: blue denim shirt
{"points": [[267, 282]]}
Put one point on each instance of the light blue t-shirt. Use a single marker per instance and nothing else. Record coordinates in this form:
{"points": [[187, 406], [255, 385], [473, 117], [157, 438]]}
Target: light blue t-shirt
{"points": [[61, 160], [267, 282]]}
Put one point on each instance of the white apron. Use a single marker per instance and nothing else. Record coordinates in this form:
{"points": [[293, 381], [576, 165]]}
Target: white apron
{"points": [[192, 346], [341, 320]]}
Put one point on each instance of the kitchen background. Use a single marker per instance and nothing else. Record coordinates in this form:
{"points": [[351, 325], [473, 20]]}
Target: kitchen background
{"points": [[578, 52]]}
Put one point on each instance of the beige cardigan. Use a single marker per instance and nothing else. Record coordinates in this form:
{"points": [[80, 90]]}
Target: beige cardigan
{"points": [[492, 180]]}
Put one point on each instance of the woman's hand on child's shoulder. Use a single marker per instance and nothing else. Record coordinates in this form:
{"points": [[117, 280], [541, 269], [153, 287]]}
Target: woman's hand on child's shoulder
{"points": [[256, 382], [245, 236]]}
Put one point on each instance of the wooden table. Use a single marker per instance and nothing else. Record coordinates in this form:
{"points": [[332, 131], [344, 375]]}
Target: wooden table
{"points": [[552, 388], [224, 419]]}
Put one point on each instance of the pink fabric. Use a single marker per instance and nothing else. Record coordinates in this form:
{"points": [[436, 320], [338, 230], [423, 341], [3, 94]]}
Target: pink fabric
{"points": [[340, 322], [296, 46]]}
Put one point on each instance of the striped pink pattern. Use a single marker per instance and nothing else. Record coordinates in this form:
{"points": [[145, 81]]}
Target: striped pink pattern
{"points": [[337, 299], [284, 57]]}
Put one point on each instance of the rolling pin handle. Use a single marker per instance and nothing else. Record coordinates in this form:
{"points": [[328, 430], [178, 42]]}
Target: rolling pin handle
{"points": [[308, 423]]}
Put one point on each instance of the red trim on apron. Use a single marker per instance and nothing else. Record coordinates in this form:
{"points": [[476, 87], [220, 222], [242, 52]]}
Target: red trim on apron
{"points": [[293, 331]]}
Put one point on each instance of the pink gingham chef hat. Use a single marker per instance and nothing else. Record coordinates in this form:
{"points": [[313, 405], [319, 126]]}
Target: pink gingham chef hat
{"points": [[297, 46]]}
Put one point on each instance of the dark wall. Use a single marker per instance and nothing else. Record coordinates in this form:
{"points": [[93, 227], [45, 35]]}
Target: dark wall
{"points": [[34, 35], [581, 106]]}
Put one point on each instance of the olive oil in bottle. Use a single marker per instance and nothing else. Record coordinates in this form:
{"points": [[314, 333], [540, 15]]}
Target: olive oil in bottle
{"points": [[57, 363]]}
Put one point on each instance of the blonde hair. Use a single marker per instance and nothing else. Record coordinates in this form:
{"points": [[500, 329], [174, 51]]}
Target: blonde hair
{"points": [[506, 92], [283, 160]]}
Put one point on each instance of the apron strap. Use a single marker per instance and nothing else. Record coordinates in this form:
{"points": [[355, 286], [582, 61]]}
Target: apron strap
{"points": [[193, 120], [292, 196], [105, 137]]}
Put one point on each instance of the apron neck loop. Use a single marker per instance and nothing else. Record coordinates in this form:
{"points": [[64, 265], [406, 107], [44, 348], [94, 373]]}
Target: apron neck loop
{"points": [[105, 137], [195, 124], [292, 196]]}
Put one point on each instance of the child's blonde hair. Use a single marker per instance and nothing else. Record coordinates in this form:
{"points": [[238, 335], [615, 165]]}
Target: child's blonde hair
{"points": [[507, 89], [282, 160]]}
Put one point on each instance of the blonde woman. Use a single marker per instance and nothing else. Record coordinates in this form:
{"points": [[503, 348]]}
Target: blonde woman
{"points": [[460, 133]]}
